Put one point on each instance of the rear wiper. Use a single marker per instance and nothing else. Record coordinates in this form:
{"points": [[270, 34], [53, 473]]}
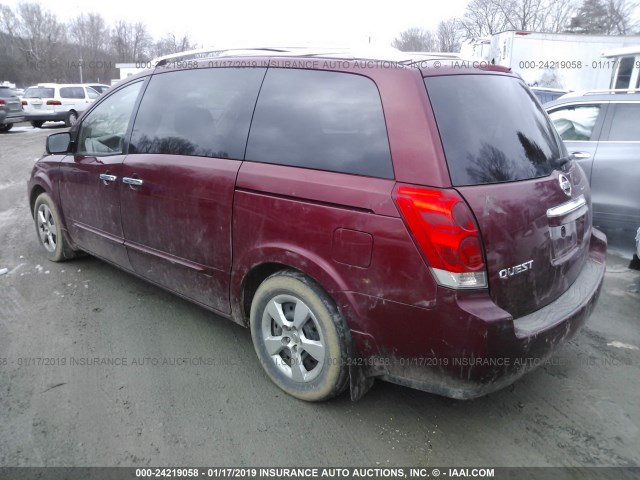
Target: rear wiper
{"points": [[562, 161]]}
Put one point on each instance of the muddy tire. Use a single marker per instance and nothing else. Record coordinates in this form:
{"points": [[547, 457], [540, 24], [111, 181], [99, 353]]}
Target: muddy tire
{"points": [[49, 230], [300, 337]]}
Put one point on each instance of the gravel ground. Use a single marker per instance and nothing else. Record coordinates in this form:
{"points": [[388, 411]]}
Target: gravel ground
{"points": [[152, 409]]}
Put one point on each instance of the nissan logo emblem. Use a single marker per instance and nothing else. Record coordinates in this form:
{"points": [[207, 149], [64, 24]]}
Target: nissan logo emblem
{"points": [[565, 185]]}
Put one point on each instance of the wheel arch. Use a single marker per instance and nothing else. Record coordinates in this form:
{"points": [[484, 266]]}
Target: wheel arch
{"points": [[263, 262], [35, 192]]}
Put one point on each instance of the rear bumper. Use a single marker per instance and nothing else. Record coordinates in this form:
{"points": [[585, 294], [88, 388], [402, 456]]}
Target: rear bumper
{"points": [[476, 347], [11, 117], [46, 116]]}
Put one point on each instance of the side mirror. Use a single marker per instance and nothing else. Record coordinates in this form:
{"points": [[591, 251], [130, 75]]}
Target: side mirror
{"points": [[58, 143]]}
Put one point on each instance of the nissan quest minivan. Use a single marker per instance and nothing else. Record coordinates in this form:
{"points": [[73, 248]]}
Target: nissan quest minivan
{"points": [[414, 221]]}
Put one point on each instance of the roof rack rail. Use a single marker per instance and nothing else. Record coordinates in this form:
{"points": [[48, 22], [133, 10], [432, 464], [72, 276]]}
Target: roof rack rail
{"points": [[219, 51], [349, 52], [604, 91], [610, 90]]}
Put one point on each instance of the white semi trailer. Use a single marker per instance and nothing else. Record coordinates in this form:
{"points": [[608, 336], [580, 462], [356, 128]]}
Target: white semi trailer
{"points": [[562, 60]]}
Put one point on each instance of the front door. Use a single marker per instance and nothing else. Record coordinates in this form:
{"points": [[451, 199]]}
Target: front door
{"points": [[90, 180]]}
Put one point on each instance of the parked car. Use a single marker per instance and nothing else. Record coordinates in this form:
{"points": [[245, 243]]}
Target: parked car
{"points": [[602, 131], [546, 95], [418, 225], [51, 102], [10, 109], [98, 87]]}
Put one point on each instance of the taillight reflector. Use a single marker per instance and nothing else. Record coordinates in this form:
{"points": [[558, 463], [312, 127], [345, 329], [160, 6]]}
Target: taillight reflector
{"points": [[446, 232], [54, 102]]}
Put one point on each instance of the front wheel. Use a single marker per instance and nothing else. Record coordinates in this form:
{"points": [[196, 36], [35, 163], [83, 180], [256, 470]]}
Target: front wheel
{"points": [[5, 127], [37, 123], [50, 231], [300, 337]]}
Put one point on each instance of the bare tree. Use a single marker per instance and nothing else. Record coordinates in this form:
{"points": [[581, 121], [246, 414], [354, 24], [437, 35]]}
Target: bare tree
{"points": [[415, 40], [91, 36], [482, 18], [89, 31], [487, 17], [448, 36], [607, 17], [621, 16], [525, 15], [36, 32], [131, 41], [559, 15], [172, 44]]}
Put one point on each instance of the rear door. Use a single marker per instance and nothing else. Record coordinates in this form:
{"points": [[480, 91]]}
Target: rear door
{"points": [[503, 158], [186, 149], [615, 177]]}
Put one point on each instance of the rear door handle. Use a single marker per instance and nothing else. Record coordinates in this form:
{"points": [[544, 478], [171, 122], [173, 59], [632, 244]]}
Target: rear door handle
{"points": [[132, 181], [105, 177], [581, 154]]}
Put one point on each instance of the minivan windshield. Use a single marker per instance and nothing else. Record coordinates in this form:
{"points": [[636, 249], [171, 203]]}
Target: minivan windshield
{"points": [[492, 129]]}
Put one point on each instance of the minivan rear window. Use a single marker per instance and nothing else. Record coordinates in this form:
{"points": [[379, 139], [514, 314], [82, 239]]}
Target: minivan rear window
{"points": [[7, 93], [39, 92], [492, 129]]}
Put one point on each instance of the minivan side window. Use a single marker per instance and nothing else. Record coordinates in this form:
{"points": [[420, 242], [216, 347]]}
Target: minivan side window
{"points": [[625, 70], [203, 112], [72, 92], [92, 93], [625, 126], [104, 129], [575, 122], [321, 120]]}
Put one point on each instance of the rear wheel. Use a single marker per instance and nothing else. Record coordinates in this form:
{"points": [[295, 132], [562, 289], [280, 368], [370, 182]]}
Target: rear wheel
{"points": [[300, 337], [5, 127], [37, 123], [49, 230], [72, 118]]}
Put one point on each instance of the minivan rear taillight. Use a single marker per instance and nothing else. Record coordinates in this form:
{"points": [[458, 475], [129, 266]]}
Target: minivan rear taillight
{"points": [[446, 232], [54, 102], [1, 102]]}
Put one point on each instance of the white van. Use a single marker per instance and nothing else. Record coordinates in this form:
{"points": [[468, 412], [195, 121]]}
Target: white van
{"points": [[53, 102]]}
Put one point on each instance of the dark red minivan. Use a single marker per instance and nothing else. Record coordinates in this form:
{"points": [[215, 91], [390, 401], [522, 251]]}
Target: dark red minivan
{"points": [[419, 222]]}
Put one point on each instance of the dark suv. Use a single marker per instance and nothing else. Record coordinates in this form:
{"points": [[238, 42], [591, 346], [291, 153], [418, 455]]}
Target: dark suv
{"points": [[601, 129], [10, 109], [417, 222]]}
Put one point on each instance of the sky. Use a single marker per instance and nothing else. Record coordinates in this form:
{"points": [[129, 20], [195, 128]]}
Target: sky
{"points": [[272, 22]]}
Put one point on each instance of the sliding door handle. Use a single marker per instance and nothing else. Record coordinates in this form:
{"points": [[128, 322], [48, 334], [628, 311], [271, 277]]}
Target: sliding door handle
{"points": [[132, 181]]}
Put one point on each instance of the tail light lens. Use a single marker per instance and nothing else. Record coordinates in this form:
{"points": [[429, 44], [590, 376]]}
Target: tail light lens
{"points": [[446, 233], [24, 102], [54, 102], [1, 102]]}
